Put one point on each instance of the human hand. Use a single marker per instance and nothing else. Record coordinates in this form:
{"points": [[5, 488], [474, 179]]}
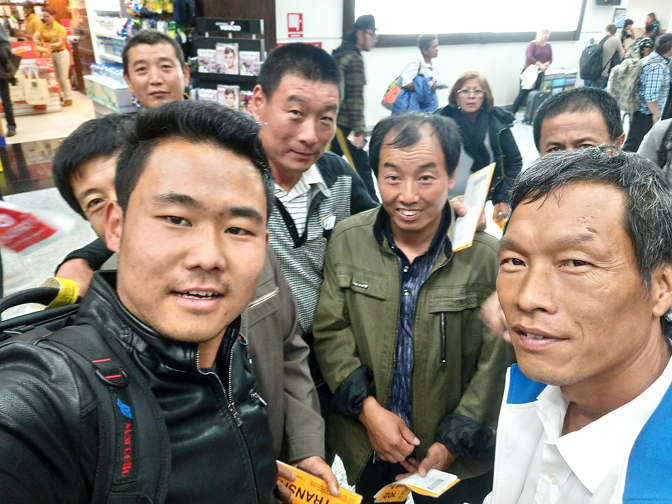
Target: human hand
{"points": [[286, 494], [493, 316], [501, 211], [318, 467], [435, 85], [438, 457], [357, 141], [388, 434], [77, 269], [461, 210]]}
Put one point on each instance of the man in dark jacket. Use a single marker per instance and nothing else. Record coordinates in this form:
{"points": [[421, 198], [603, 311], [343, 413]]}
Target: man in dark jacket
{"points": [[84, 170], [190, 230], [9, 63], [349, 139]]}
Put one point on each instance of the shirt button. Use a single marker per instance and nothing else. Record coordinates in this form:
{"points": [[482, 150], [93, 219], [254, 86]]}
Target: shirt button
{"points": [[405, 269], [406, 293], [552, 479]]}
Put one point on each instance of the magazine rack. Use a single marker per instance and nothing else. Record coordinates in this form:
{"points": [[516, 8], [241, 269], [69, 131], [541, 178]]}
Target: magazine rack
{"points": [[214, 32]]}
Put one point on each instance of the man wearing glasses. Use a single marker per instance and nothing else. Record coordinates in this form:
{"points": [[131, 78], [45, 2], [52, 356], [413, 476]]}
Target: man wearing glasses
{"points": [[349, 140]]}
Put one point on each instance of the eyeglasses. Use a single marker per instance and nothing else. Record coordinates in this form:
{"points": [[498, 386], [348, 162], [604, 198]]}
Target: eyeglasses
{"points": [[467, 92], [372, 33]]}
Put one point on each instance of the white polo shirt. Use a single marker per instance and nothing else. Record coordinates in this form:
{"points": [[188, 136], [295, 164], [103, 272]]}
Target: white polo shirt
{"points": [[583, 467]]}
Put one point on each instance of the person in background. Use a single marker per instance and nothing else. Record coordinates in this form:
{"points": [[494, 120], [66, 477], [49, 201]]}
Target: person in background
{"points": [[610, 48], [486, 138], [626, 32], [642, 46], [538, 53], [652, 21], [420, 79], [417, 377], [52, 35], [653, 90], [9, 63], [32, 23], [657, 147], [350, 122]]}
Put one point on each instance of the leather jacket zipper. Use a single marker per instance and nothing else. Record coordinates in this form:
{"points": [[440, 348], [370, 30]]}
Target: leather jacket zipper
{"points": [[230, 404]]}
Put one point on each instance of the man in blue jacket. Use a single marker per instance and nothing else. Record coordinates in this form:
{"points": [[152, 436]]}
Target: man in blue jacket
{"points": [[585, 282]]}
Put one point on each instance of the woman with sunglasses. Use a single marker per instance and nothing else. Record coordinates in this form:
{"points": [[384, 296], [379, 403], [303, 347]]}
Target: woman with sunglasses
{"points": [[486, 138]]}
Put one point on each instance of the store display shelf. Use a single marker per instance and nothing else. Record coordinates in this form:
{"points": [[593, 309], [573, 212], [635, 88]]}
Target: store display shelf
{"points": [[109, 35], [103, 82], [226, 78], [111, 57]]}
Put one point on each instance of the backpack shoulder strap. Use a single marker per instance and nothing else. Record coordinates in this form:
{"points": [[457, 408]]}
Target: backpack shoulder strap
{"points": [[133, 438]]}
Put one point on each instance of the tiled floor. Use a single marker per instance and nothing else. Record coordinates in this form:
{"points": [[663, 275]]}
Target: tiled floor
{"points": [[53, 125]]}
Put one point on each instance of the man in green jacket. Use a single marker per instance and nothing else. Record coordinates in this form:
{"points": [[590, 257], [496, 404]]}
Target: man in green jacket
{"points": [[416, 375]]}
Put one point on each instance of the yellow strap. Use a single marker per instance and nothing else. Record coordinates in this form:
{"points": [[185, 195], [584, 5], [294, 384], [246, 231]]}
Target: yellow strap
{"points": [[67, 291], [340, 138]]}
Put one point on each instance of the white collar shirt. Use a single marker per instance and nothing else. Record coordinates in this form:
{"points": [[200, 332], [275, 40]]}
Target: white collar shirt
{"points": [[586, 466], [298, 199]]}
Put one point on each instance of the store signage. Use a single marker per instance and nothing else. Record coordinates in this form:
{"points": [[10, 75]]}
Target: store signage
{"points": [[229, 26], [295, 25]]}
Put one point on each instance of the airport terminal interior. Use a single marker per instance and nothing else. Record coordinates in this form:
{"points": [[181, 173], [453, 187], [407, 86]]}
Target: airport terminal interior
{"points": [[487, 36]]}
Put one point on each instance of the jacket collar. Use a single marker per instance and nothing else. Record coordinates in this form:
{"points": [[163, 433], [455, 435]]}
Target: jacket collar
{"points": [[448, 221], [503, 117], [103, 309]]}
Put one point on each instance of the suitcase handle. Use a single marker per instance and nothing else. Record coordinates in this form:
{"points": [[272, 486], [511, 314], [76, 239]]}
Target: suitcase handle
{"points": [[41, 295]]}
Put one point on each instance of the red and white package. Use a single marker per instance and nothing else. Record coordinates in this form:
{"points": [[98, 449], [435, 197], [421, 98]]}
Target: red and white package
{"points": [[52, 84], [24, 230], [45, 65]]}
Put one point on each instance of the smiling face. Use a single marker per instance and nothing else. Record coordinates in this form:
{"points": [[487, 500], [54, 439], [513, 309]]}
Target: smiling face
{"points": [[414, 185], [93, 186], [155, 75], [576, 306], [575, 130], [470, 96], [192, 241], [299, 122]]}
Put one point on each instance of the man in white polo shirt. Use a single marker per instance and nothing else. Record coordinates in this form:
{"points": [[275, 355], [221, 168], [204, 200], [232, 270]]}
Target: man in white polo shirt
{"points": [[585, 283]]}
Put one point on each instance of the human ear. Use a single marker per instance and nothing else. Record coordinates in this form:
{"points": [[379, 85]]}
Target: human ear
{"points": [[661, 287], [114, 220]]}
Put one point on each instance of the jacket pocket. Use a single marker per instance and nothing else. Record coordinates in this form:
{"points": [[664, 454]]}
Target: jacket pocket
{"points": [[367, 285], [440, 302]]}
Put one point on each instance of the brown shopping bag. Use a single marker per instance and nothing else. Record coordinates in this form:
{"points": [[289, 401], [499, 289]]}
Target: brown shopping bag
{"points": [[37, 91]]}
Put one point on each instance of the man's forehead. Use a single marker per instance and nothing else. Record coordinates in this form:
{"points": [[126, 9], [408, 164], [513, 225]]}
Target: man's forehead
{"points": [[295, 86], [575, 124], [151, 51]]}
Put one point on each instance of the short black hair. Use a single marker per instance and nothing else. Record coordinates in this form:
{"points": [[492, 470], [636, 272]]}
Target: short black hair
{"points": [[663, 44], [424, 41], [407, 128], [303, 60], [193, 121], [581, 99], [151, 37], [101, 137]]}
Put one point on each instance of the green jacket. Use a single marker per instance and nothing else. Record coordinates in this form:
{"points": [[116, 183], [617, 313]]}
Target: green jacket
{"points": [[356, 326]]}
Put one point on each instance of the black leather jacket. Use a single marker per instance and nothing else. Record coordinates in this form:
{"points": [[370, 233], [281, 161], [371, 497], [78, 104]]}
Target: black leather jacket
{"points": [[49, 425]]}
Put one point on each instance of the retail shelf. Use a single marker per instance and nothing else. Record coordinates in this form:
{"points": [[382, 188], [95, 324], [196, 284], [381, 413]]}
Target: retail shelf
{"points": [[111, 57], [109, 35]]}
